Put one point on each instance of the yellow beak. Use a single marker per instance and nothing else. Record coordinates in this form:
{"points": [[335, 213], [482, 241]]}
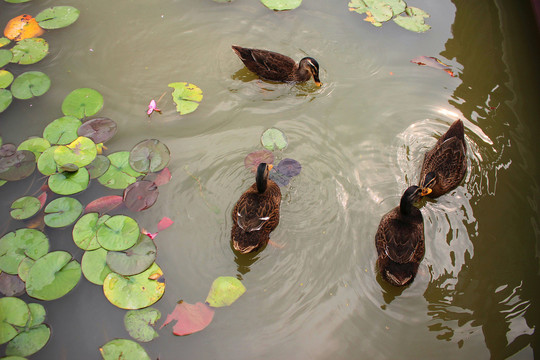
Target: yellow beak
{"points": [[426, 191]]}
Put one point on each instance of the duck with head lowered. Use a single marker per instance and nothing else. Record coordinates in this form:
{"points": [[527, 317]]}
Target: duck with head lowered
{"points": [[256, 214], [400, 240], [273, 66]]}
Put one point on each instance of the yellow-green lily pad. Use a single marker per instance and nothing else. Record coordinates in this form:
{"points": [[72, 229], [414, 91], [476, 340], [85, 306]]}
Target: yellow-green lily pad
{"points": [[82, 102], [36, 145], [29, 341], [19, 244], [25, 207], [5, 99], [24, 268], [6, 78], [280, 5], [69, 183], [80, 152], [94, 266], [37, 315], [187, 97], [118, 233], [62, 131], [274, 139], [62, 212], [224, 291], [30, 84], [57, 17], [29, 51], [413, 20], [123, 349], [46, 164], [85, 231], [139, 323], [13, 313]]}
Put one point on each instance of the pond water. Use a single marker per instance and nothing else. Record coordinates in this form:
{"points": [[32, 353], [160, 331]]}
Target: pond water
{"points": [[360, 139]]}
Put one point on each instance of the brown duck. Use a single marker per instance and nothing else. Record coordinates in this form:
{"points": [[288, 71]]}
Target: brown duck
{"points": [[400, 240], [445, 165], [256, 213], [273, 66]]}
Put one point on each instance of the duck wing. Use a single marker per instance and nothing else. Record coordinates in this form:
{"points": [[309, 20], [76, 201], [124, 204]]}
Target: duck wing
{"points": [[267, 64], [448, 161], [401, 242]]}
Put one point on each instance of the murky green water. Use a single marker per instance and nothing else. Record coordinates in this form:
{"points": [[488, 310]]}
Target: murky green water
{"points": [[360, 139]]}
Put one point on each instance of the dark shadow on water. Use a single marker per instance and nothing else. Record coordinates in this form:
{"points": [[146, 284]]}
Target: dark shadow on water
{"points": [[389, 292], [244, 261]]}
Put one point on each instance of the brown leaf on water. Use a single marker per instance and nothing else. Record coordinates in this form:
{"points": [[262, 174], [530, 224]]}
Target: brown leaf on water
{"points": [[22, 27], [434, 63]]}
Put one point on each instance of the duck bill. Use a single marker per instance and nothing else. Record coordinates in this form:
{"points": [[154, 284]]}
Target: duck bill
{"points": [[426, 191], [270, 167], [317, 80]]}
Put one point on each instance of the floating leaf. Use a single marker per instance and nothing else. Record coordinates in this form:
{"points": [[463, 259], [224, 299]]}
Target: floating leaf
{"points": [[10, 285], [120, 173], [29, 51], [81, 152], [5, 99], [13, 312], [6, 78], [53, 276], [5, 57], [187, 97], [139, 324], [36, 145], [4, 41], [99, 130], [123, 349], [17, 245], [7, 150], [288, 167], [30, 84], [62, 131], [24, 268], [253, 159], [46, 164], [279, 5], [161, 178], [224, 291], [62, 212], [69, 183], [98, 166], [434, 63], [22, 27], [94, 266], [149, 156], [17, 166], [274, 139], [25, 207], [140, 195], [135, 259], [29, 342], [118, 233], [190, 318], [137, 291], [413, 20], [57, 17], [37, 315], [85, 231], [104, 204], [82, 102]]}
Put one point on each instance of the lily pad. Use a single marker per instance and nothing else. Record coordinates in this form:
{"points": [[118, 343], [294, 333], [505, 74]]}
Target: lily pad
{"points": [[253, 159], [94, 266], [69, 183], [5, 57], [279, 5], [413, 20], [82, 102], [149, 156], [135, 259], [46, 164], [13, 312], [81, 152], [224, 291], [140, 195], [17, 245], [139, 324], [85, 231], [118, 233], [99, 130], [53, 276], [6, 78], [104, 204], [4, 41], [98, 166], [5, 99], [187, 97], [62, 131], [17, 166], [190, 318], [11, 285], [25, 207], [57, 17], [29, 342], [37, 315], [62, 212], [22, 27], [137, 291], [289, 167], [24, 268], [29, 51], [274, 139], [36, 145], [123, 349], [120, 173], [30, 84]]}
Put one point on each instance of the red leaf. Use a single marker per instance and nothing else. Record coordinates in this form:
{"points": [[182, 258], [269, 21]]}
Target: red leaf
{"points": [[164, 223], [163, 177], [434, 63], [104, 204], [42, 199], [253, 159], [189, 318]]}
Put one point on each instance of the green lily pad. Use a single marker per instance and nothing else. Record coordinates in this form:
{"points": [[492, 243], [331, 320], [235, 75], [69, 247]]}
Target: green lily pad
{"points": [[186, 97], [17, 245], [53, 276], [5, 99], [135, 259], [29, 51], [99, 130], [5, 41], [81, 152], [37, 315], [24, 268], [11, 285], [274, 139], [139, 323], [46, 164], [224, 291], [82, 102], [118, 233], [57, 17], [17, 166], [16, 1], [85, 231], [13, 312], [149, 156], [123, 349], [29, 342], [98, 166], [378, 11], [120, 173], [30, 84], [25, 207], [36, 145], [69, 183], [62, 212], [6, 78], [281, 4], [63, 130], [5, 57], [413, 20], [94, 266]]}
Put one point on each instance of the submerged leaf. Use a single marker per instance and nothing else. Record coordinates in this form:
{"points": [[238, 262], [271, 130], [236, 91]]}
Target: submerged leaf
{"points": [[139, 324], [253, 159], [190, 318]]}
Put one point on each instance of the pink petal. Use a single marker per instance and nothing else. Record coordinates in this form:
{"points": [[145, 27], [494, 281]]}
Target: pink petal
{"points": [[164, 223]]}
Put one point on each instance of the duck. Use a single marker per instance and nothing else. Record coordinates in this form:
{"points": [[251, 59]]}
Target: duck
{"points": [[274, 66], [445, 165], [256, 214], [400, 240]]}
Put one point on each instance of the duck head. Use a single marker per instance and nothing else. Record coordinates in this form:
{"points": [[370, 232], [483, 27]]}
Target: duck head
{"points": [[409, 197], [428, 183], [312, 66]]}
